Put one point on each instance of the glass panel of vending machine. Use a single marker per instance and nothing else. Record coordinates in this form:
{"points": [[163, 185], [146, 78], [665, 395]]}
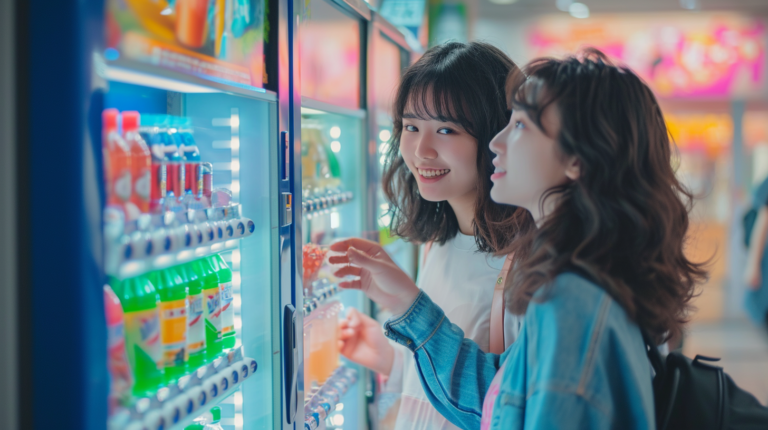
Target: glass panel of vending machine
{"points": [[334, 205], [387, 65], [190, 171]]}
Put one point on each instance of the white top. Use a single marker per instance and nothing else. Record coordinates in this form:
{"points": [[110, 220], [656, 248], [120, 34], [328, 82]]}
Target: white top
{"points": [[460, 280]]}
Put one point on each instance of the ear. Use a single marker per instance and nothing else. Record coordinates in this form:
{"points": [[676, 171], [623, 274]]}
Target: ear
{"points": [[573, 168]]}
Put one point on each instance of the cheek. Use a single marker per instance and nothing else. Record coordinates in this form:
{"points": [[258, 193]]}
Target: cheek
{"points": [[407, 150]]}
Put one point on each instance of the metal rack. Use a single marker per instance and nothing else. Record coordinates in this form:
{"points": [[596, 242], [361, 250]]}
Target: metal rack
{"points": [[324, 400]]}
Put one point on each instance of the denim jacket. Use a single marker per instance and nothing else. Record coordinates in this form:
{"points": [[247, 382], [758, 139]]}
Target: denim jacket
{"points": [[578, 363]]}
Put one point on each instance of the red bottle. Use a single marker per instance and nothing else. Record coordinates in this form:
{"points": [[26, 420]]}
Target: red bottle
{"points": [[117, 161], [141, 161]]}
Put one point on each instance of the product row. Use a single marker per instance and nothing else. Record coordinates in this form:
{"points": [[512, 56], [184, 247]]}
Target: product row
{"points": [[314, 205], [322, 402], [192, 395], [154, 235], [152, 165], [166, 325]]}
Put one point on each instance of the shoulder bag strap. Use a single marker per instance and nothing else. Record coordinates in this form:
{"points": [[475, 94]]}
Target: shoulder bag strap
{"points": [[497, 308]]}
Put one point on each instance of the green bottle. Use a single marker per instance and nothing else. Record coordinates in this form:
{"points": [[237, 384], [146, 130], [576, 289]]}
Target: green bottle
{"points": [[227, 297], [196, 319], [173, 322], [142, 333], [211, 307]]}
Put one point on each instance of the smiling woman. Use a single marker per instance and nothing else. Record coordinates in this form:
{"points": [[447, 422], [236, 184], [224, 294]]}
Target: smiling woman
{"points": [[447, 110]]}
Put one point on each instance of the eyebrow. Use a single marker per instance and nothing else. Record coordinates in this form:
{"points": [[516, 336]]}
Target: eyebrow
{"points": [[410, 116]]}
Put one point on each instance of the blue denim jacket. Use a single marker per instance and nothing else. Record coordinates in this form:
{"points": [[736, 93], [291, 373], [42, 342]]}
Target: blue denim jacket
{"points": [[578, 363]]}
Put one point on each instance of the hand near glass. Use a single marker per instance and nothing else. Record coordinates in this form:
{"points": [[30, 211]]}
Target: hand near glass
{"points": [[377, 275], [363, 342]]}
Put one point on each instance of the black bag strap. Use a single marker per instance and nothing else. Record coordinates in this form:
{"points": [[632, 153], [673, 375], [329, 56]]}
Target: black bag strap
{"points": [[654, 356]]}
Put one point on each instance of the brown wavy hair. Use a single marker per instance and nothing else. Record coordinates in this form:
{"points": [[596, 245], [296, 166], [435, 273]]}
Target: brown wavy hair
{"points": [[624, 221], [463, 83]]}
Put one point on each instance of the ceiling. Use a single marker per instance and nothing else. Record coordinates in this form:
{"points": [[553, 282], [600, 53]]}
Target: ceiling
{"points": [[530, 8]]}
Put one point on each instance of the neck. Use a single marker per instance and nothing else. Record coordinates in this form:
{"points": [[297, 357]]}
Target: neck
{"points": [[464, 208]]}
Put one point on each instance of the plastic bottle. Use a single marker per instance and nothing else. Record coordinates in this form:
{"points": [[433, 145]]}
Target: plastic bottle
{"points": [[159, 184], [176, 168], [216, 419], [227, 297], [117, 161], [192, 165], [173, 322], [211, 307], [117, 362], [196, 324], [142, 334], [141, 161]]}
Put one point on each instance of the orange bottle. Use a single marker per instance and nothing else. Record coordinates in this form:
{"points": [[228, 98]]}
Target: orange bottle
{"points": [[117, 161], [141, 161]]}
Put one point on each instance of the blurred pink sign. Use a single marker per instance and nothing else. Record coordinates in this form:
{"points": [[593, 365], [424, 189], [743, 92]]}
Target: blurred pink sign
{"points": [[678, 55]]}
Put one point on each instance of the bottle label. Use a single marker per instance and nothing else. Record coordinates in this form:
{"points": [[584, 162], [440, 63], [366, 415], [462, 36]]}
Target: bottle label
{"points": [[173, 329], [123, 186], [227, 309], [142, 184], [142, 332], [212, 308], [196, 335], [119, 370]]}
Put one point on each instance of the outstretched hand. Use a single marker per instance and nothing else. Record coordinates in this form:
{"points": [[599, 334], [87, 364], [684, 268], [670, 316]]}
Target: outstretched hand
{"points": [[377, 275], [363, 342]]}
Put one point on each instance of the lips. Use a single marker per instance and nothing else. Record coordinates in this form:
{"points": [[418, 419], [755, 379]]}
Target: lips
{"points": [[499, 172]]}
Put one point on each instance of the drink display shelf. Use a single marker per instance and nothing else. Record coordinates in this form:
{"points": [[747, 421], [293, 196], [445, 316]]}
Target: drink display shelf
{"points": [[154, 242], [318, 205], [175, 406], [323, 400], [322, 291]]}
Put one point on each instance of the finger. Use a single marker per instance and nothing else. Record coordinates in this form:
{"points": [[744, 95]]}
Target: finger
{"points": [[351, 285], [348, 271], [338, 259], [347, 334], [356, 242]]}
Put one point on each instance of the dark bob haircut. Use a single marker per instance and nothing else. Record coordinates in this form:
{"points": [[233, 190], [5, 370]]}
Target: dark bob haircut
{"points": [[624, 221], [462, 83]]}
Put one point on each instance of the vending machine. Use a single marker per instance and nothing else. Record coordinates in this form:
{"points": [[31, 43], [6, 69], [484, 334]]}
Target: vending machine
{"points": [[350, 65], [183, 166], [161, 280]]}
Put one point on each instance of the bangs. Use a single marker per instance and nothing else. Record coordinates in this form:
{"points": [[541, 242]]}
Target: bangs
{"points": [[533, 94], [435, 97]]}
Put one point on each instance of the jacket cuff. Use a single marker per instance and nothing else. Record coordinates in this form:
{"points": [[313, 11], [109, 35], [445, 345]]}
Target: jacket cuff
{"points": [[417, 325]]}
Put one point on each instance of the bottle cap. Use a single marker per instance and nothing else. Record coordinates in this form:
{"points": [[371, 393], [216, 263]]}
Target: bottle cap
{"points": [[216, 412], [130, 121], [109, 119]]}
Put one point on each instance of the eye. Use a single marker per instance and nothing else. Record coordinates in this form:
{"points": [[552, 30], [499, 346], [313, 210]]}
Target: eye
{"points": [[446, 130], [410, 128], [519, 124]]}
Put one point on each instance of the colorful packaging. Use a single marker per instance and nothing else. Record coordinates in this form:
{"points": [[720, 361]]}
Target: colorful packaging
{"points": [[227, 298], [211, 307], [176, 172], [196, 319], [141, 161], [117, 361], [192, 22], [117, 161], [142, 334], [192, 166], [173, 309]]}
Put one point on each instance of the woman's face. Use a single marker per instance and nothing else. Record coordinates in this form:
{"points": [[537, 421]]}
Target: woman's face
{"points": [[528, 161], [442, 156]]}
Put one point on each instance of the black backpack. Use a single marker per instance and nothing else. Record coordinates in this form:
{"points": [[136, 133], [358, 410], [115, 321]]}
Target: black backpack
{"points": [[697, 395]]}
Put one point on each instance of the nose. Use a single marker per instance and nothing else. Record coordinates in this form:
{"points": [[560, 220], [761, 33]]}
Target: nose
{"points": [[425, 149], [498, 143]]}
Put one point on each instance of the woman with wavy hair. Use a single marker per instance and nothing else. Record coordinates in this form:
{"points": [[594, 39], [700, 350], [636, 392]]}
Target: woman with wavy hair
{"points": [[588, 154]]}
